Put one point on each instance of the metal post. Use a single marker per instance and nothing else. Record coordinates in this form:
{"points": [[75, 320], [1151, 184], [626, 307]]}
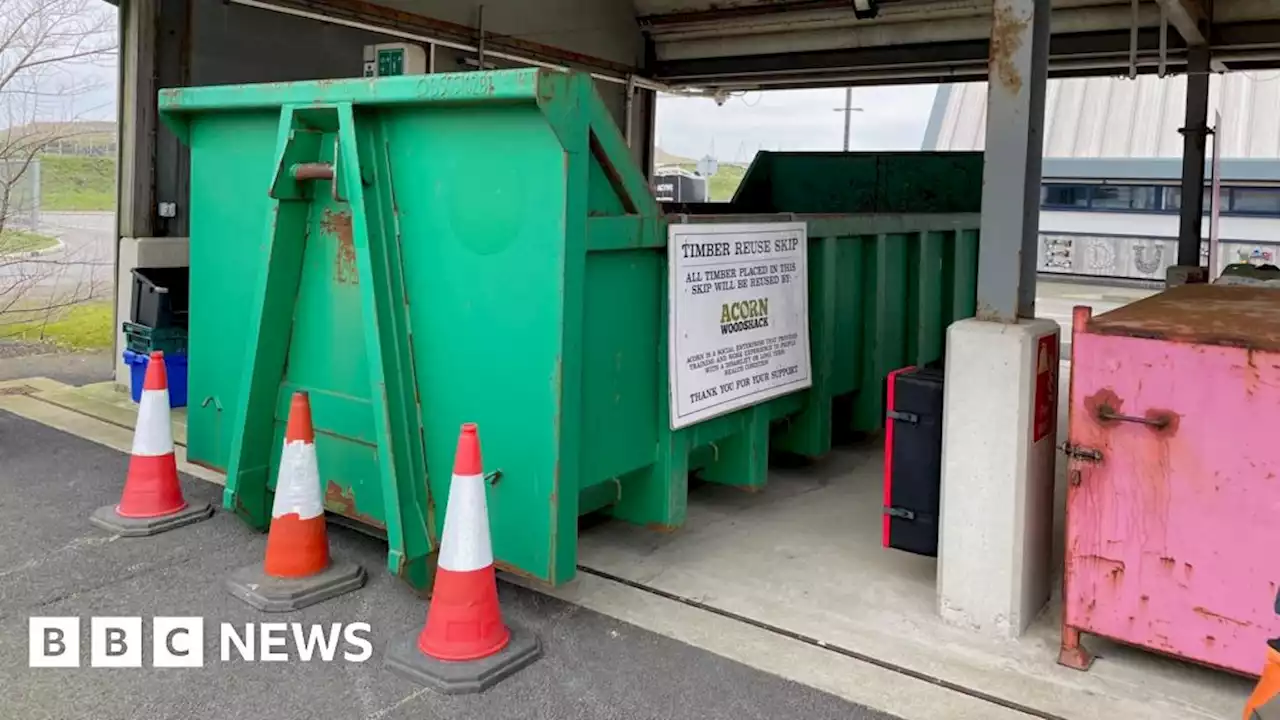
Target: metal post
{"points": [[1194, 136], [1215, 196], [848, 112], [480, 41], [628, 109], [848, 109], [1019, 69]]}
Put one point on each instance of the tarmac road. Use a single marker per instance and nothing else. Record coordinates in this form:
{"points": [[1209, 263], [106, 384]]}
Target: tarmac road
{"points": [[54, 563], [80, 269]]}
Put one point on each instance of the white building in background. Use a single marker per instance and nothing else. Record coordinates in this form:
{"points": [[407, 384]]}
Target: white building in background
{"points": [[1112, 171]]}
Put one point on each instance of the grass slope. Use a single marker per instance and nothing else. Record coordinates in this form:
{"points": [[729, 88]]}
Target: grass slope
{"points": [[86, 326], [21, 241], [722, 185], [74, 182]]}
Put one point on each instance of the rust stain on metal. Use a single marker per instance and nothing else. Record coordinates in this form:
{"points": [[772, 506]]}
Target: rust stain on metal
{"points": [[338, 224], [1231, 315], [1206, 613], [519, 572], [313, 171], [1168, 562], [207, 466], [1102, 403], [1007, 31], [1163, 422], [1209, 640], [1115, 567], [343, 502], [659, 527]]}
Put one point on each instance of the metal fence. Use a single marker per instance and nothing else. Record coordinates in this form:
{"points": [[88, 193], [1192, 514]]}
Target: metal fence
{"points": [[20, 193]]}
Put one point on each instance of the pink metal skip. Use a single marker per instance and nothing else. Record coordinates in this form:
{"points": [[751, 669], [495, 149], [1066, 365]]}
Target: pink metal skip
{"points": [[1173, 498]]}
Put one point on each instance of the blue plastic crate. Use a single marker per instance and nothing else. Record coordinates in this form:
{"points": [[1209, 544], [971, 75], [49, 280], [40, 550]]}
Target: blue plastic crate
{"points": [[175, 366]]}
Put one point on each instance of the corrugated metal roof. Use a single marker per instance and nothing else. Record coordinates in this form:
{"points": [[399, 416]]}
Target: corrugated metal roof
{"points": [[1122, 118]]}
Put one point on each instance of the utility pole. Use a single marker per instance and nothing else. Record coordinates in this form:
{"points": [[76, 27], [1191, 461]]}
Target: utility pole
{"points": [[848, 111]]}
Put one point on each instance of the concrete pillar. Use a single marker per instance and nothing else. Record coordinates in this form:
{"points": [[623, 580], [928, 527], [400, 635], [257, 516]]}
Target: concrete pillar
{"points": [[1194, 136], [995, 543]]}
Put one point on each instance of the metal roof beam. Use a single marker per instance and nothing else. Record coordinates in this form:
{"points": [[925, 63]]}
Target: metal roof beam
{"points": [[1188, 17]]}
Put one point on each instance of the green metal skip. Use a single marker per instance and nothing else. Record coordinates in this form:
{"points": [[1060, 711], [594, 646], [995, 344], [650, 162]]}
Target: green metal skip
{"points": [[421, 251]]}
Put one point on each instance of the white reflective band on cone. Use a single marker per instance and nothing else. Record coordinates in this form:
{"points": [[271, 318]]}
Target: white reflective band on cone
{"points": [[298, 484], [464, 545], [153, 436]]}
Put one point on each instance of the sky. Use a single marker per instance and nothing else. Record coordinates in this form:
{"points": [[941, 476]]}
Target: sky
{"points": [[892, 118]]}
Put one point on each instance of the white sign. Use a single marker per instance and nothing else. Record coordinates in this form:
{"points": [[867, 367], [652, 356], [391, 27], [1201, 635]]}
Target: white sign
{"points": [[739, 316]]}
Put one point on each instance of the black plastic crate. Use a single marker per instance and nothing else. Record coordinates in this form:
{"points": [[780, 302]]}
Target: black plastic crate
{"points": [[160, 297], [913, 460], [144, 340]]}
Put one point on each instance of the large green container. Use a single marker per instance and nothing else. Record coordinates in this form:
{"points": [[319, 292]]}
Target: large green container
{"points": [[487, 252], [862, 183]]}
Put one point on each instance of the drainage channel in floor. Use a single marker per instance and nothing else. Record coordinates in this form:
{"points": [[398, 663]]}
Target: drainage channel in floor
{"points": [[809, 640]]}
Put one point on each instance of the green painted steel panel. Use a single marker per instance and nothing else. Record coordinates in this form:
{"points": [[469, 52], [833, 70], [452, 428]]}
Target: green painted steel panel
{"points": [[486, 251], [861, 183]]}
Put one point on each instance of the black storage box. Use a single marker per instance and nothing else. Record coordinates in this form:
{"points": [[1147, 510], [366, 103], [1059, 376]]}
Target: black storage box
{"points": [[913, 460], [160, 297]]}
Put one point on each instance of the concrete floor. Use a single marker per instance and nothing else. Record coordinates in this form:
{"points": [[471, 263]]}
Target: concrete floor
{"points": [[804, 556]]}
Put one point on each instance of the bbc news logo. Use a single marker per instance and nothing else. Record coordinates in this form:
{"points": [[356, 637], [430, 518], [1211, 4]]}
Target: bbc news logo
{"points": [[178, 642]]}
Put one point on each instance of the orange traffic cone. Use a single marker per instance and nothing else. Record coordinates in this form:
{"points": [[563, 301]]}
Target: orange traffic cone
{"points": [[296, 571], [464, 646], [152, 500], [1264, 703]]}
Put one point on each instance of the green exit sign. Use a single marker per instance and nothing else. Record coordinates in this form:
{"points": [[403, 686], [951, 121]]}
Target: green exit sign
{"points": [[390, 62]]}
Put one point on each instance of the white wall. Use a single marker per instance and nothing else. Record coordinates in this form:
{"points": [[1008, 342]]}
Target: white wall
{"points": [[1156, 225]]}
